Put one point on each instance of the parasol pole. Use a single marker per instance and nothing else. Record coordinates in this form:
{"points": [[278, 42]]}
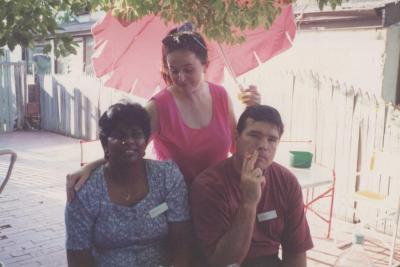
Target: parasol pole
{"points": [[230, 68], [289, 38]]}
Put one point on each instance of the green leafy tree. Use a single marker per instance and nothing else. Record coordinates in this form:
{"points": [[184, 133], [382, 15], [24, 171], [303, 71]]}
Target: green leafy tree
{"points": [[24, 22]]}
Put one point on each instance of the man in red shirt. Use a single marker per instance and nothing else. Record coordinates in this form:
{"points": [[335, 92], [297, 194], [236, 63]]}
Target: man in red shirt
{"points": [[247, 206]]}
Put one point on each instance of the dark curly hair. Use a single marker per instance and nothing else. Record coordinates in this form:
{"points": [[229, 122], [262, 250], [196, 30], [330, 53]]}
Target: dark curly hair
{"points": [[126, 113]]}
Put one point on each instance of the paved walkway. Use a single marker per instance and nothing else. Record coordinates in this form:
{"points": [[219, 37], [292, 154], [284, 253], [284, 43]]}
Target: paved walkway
{"points": [[32, 205]]}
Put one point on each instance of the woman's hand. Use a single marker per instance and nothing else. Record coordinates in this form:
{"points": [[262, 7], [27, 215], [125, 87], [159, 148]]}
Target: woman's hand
{"points": [[250, 96], [75, 181], [78, 178]]}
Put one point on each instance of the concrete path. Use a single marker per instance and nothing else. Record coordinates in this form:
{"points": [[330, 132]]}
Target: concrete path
{"points": [[32, 204]]}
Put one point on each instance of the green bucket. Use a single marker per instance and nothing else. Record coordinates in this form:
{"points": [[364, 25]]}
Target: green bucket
{"points": [[300, 159]]}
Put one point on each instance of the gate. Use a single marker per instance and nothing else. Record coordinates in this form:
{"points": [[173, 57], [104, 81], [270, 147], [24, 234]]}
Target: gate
{"points": [[13, 95]]}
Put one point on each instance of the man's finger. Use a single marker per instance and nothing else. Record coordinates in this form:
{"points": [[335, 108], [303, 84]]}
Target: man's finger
{"points": [[251, 88], [247, 166], [254, 89], [246, 159], [252, 161], [257, 172]]}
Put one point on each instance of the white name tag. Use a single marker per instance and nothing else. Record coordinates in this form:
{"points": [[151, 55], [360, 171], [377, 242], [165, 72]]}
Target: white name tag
{"points": [[158, 210], [266, 216]]}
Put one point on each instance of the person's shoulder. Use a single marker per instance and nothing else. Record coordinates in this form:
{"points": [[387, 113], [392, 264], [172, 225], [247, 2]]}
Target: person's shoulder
{"points": [[217, 88], [161, 166], [283, 174], [280, 168], [284, 181], [162, 94], [94, 182], [165, 175], [214, 176], [92, 192], [165, 172], [210, 186]]}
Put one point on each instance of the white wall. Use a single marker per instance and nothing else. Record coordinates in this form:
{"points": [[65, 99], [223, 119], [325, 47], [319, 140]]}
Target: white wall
{"points": [[354, 57], [13, 56], [391, 69], [16, 54]]}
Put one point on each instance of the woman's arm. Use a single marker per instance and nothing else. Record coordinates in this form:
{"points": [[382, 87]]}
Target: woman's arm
{"points": [[232, 123], [80, 258], [151, 108], [181, 243], [78, 178]]}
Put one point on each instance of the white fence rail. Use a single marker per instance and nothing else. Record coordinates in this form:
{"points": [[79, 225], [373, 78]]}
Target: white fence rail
{"points": [[345, 126]]}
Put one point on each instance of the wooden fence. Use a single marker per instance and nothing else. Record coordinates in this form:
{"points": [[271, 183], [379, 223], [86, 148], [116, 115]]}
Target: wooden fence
{"points": [[13, 95], [71, 105], [344, 124]]}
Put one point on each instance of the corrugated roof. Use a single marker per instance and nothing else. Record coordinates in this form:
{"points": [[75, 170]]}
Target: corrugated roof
{"points": [[77, 27], [312, 5]]}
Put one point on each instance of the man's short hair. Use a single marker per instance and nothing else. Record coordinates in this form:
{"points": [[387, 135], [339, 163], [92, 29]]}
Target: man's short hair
{"points": [[260, 113]]}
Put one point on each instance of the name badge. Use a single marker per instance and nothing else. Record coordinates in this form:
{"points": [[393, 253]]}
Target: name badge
{"points": [[158, 210], [266, 216]]}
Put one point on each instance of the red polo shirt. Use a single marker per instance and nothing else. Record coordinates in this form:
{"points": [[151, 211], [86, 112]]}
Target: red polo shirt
{"points": [[215, 200]]}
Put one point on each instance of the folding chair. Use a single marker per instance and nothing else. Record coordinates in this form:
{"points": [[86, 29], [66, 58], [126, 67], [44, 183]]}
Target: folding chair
{"points": [[383, 165], [13, 158]]}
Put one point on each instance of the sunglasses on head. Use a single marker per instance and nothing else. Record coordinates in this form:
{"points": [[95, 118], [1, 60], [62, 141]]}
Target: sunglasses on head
{"points": [[184, 35]]}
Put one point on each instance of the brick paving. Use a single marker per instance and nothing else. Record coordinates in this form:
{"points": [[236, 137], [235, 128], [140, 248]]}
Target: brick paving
{"points": [[32, 204], [32, 229]]}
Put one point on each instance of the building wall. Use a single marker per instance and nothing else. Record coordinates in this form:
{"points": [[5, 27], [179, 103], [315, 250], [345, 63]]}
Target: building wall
{"points": [[367, 59], [391, 68], [73, 63], [16, 54]]}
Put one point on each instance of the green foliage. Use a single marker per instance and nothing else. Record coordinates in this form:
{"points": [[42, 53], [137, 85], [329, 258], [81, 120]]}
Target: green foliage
{"points": [[221, 20], [24, 22], [332, 3]]}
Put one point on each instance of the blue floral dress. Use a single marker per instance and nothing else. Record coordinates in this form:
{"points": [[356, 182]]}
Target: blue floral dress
{"points": [[128, 236]]}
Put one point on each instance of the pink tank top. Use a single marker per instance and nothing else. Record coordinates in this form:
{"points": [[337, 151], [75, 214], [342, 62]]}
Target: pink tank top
{"points": [[193, 150]]}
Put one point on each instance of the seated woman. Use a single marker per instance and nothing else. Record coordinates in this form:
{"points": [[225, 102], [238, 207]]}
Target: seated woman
{"points": [[132, 211]]}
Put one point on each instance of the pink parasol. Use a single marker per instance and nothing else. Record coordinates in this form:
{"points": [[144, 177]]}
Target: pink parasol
{"points": [[131, 52]]}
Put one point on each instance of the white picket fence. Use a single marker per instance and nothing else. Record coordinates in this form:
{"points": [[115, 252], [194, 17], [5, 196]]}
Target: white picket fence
{"points": [[13, 95], [345, 125]]}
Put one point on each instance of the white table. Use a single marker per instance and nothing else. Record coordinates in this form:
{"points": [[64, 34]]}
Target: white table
{"points": [[309, 179], [313, 177]]}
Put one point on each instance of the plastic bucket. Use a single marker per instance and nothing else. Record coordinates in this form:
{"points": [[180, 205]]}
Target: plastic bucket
{"points": [[300, 159]]}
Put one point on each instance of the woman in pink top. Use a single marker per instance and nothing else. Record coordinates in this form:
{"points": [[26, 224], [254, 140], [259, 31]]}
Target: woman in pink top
{"points": [[192, 120]]}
